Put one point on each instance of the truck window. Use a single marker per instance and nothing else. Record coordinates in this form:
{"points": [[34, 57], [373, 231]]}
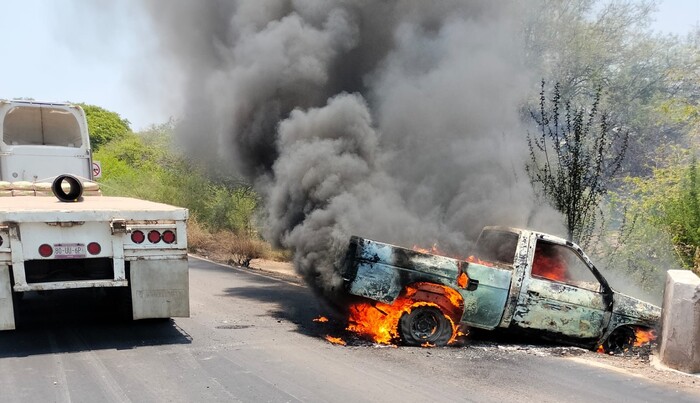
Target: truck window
{"points": [[25, 125], [497, 246], [560, 263]]}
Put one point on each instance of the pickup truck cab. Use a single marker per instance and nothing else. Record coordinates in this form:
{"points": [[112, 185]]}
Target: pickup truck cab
{"points": [[517, 279]]}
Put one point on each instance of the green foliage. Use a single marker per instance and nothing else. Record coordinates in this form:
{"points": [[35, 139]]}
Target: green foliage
{"points": [[669, 200], [145, 166], [590, 43], [104, 125]]}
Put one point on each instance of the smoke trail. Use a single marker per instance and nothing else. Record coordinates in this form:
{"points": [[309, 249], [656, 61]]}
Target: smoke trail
{"points": [[396, 120]]}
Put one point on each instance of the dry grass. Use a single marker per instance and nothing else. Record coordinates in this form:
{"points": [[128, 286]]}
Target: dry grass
{"points": [[230, 248], [198, 238]]}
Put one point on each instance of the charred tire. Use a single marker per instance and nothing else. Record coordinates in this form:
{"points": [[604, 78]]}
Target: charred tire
{"points": [[425, 324], [620, 340]]}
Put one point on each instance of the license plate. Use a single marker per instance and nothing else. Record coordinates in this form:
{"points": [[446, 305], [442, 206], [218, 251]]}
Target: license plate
{"points": [[68, 250]]}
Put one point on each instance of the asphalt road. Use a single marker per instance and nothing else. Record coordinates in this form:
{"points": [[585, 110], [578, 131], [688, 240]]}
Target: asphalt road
{"points": [[252, 338]]}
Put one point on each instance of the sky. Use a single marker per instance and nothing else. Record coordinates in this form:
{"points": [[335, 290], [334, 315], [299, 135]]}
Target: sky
{"points": [[54, 51]]}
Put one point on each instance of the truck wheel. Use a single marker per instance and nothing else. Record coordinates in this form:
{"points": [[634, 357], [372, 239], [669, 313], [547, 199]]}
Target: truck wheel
{"points": [[425, 324], [620, 340]]}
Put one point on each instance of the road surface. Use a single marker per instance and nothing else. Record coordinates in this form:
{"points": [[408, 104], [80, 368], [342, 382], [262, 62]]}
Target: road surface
{"points": [[252, 338]]}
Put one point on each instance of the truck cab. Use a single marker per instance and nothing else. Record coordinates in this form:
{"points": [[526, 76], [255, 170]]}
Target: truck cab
{"points": [[39, 141]]}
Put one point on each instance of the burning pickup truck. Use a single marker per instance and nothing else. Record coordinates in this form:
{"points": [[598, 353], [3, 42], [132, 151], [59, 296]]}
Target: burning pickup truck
{"points": [[517, 279]]}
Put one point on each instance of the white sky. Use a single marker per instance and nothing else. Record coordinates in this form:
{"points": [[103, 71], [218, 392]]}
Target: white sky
{"points": [[48, 54]]}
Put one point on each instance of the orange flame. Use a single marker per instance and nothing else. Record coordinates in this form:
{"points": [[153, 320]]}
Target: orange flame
{"points": [[474, 259], [549, 268], [335, 340], [435, 250], [321, 319], [462, 280], [643, 336], [432, 250], [379, 321]]}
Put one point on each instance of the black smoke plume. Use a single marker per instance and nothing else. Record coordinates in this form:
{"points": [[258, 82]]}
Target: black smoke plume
{"points": [[395, 119]]}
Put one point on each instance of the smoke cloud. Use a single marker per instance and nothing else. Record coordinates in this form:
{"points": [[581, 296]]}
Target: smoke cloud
{"points": [[396, 120]]}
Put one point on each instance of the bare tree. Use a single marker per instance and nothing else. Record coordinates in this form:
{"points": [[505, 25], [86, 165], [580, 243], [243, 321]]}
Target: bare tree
{"points": [[573, 157]]}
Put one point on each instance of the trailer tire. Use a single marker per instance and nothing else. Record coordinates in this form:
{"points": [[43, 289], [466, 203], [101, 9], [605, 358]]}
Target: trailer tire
{"points": [[425, 324]]}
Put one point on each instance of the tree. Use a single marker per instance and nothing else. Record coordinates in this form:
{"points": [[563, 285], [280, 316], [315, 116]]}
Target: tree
{"points": [[104, 125], [586, 44], [573, 158], [669, 200]]}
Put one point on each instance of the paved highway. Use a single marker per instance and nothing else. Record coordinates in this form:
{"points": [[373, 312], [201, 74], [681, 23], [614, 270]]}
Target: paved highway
{"points": [[252, 338]]}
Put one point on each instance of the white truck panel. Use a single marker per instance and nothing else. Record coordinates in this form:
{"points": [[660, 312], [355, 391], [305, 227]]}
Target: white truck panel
{"points": [[7, 316], [45, 244], [160, 288]]}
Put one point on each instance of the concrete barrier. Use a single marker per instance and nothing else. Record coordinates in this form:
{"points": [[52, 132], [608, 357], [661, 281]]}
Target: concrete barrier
{"points": [[680, 322]]}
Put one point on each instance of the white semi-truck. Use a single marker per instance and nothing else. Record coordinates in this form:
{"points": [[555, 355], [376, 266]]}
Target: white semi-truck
{"points": [[133, 248]]}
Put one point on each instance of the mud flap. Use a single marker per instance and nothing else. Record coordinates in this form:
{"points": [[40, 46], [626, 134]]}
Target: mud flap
{"points": [[160, 288], [7, 315]]}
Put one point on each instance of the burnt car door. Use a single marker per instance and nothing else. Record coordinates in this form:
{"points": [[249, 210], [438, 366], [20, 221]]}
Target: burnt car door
{"points": [[561, 294]]}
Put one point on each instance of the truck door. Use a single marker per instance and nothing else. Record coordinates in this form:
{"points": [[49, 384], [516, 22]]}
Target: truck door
{"points": [[561, 295]]}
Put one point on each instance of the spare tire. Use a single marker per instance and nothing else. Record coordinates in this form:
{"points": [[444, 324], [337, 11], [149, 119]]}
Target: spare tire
{"points": [[75, 188]]}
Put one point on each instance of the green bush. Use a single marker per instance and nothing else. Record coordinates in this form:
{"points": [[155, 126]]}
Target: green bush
{"points": [[145, 166]]}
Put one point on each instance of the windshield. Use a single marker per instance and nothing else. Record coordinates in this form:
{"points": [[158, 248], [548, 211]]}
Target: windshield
{"points": [[25, 125]]}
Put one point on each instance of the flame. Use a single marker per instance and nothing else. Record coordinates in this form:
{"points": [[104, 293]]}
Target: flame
{"points": [[643, 336], [434, 250], [474, 259], [462, 280], [335, 340], [321, 319], [427, 345], [549, 268], [379, 321]]}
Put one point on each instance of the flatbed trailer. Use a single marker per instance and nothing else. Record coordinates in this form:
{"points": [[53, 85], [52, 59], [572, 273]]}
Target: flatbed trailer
{"points": [[101, 241]]}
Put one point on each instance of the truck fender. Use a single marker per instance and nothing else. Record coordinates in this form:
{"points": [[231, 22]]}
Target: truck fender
{"points": [[447, 299]]}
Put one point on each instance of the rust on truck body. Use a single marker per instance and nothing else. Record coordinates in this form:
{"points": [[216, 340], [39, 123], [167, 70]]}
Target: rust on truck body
{"points": [[522, 280]]}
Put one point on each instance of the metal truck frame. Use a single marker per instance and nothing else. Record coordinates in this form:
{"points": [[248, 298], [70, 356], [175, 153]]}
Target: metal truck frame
{"points": [[134, 247], [502, 286]]}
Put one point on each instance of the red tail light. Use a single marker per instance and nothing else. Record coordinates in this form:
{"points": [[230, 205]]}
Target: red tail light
{"points": [[45, 250], [168, 236], [137, 237], [94, 248], [154, 236]]}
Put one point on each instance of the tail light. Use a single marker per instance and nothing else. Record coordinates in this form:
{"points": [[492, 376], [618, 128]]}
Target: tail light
{"points": [[45, 250], [138, 237], [94, 248], [168, 236], [154, 236]]}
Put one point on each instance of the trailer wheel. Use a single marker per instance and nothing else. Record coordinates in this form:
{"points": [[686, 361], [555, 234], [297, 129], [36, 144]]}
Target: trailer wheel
{"points": [[620, 340], [425, 324]]}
